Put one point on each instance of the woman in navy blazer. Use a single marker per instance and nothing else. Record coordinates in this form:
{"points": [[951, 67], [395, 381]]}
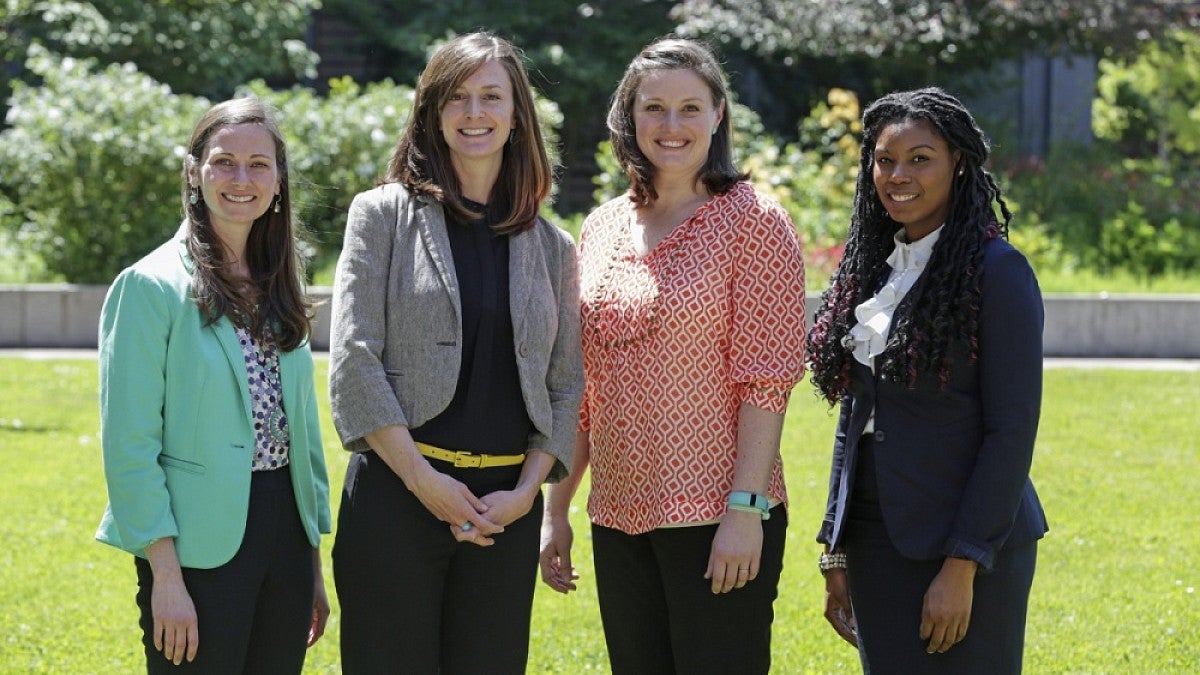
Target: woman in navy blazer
{"points": [[929, 338], [212, 449]]}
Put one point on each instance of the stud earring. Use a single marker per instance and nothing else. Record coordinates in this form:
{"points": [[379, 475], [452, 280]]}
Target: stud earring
{"points": [[193, 195]]}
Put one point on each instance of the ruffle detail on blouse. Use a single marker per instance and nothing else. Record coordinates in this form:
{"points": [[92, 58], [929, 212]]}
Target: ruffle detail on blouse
{"points": [[868, 337]]}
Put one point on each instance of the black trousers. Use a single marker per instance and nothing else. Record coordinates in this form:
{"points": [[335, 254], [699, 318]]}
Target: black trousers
{"points": [[414, 600], [887, 592], [660, 614], [253, 612]]}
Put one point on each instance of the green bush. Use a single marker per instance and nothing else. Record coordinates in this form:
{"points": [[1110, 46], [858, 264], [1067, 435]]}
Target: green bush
{"points": [[814, 179], [91, 164], [337, 146], [1109, 214]]}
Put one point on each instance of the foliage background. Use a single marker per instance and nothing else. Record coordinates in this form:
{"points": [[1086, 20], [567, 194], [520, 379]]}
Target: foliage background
{"points": [[103, 95]]}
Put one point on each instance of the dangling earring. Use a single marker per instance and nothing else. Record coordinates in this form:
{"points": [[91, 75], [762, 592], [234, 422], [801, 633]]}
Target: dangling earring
{"points": [[278, 200], [714, 133], [193, 195], [512, 133], [961, 171]]}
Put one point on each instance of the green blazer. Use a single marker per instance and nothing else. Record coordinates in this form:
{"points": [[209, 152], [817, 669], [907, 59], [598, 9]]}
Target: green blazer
{"points": [[175, 419]]}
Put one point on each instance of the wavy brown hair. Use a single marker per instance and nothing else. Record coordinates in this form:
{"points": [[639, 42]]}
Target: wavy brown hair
{"points": [[944, 303], [421, 159], [271, 304], [719, 174]]}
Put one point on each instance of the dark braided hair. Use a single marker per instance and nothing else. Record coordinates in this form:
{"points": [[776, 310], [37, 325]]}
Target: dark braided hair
{"points": [[943, 306]]}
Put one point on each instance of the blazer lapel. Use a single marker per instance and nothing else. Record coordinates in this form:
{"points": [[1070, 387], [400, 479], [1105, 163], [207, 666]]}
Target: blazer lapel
{"points": [[521, 252], [223, 330], [431, 223]]}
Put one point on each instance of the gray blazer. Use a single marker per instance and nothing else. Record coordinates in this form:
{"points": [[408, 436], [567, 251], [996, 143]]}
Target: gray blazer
{"points": [[396, 333]]}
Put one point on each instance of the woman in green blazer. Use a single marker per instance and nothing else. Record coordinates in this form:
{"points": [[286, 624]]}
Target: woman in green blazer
{"points": [[212, 450]]}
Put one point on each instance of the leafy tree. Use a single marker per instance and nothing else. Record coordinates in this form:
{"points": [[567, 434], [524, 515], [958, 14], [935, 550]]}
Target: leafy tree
{"points": [[801, 49], [933, 32], [1149, 103], [196, 46]]}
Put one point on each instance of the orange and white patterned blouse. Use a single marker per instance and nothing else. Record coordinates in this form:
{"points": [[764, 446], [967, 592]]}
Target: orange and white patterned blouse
{"points": [[674, 342]]}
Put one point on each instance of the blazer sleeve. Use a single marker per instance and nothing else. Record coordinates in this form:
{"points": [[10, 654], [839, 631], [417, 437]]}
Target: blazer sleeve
{"points": [[360, 397], [564, 377], [135, 324], [838, 467], [1010, 375]]}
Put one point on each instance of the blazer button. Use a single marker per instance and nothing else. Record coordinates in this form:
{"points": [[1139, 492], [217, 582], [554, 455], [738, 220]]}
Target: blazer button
{"points": [[521, 351], [880, 436]]}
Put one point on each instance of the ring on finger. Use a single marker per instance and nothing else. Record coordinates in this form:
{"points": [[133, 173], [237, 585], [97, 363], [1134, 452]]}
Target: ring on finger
{"points": [[466, 527]]}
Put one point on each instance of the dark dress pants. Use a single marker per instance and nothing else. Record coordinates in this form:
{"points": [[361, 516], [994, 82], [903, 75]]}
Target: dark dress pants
{"points": [[414, 600], [254, 612], [887, 592], [660, 614]]}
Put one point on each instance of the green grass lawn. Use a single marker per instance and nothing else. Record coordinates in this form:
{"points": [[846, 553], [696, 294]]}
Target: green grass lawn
{"points": [[1116, 466]]}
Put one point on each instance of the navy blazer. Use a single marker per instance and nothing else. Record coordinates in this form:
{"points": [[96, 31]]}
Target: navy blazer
{"points": [[952, 462]]}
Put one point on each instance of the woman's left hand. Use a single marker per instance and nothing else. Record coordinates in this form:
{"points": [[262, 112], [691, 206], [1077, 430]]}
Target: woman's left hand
{"points": [[320, 603], [946, 612], [736, 551], [505, 506]]}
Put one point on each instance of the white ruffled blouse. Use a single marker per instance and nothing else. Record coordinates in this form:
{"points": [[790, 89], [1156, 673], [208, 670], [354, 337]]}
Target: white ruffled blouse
{"points": [[869, 336]]}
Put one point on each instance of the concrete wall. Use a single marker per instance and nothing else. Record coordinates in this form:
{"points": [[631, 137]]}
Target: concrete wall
{"points": [[1077, 325]]}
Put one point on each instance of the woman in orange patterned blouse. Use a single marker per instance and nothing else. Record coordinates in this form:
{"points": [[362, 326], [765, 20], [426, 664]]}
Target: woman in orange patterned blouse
{"points": [[693, 335]]}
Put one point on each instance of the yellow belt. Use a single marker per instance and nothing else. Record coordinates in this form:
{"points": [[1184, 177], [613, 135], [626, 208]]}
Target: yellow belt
{"points": [[466, 459]]}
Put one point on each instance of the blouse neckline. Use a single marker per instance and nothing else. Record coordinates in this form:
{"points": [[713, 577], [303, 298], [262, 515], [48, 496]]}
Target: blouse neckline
{"points": [[666, 243], [868, 338]]}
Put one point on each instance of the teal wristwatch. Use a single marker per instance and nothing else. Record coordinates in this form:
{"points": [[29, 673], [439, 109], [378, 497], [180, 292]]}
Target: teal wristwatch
{"points": [[741, 500]]}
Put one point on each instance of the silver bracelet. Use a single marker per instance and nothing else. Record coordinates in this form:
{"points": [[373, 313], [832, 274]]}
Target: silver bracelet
{"points": [[830, 561]]}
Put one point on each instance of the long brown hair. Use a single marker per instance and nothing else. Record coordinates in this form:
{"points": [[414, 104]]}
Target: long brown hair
{"points": [[421, 159], [719, 173], [272, 304]]}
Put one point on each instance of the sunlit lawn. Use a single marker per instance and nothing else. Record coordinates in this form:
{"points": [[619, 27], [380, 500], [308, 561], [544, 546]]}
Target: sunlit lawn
{"points": [[1116, 466]]}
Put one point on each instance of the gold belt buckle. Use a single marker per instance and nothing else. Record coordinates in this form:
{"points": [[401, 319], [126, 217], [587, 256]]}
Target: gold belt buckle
{"points": [[466, 459]]}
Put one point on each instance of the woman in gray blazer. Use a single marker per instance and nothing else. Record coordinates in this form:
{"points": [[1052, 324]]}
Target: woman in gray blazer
{"points": [[455, 376], [930, 338]]}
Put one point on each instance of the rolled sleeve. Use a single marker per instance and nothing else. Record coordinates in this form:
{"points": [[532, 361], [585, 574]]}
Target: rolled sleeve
{"points": [[134, 327], [361, 398], [1010, 366], [767, 324]]}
